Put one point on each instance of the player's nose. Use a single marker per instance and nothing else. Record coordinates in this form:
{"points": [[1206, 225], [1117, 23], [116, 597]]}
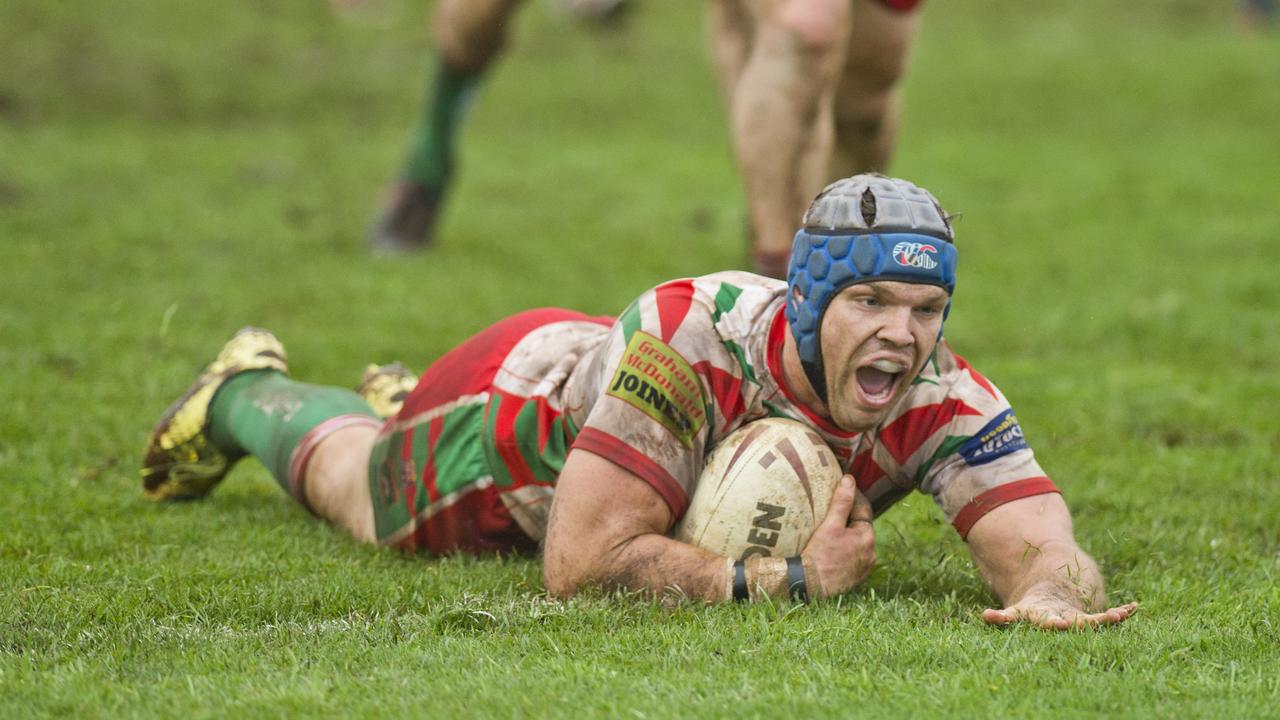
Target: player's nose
{"points": [[895, 327]]}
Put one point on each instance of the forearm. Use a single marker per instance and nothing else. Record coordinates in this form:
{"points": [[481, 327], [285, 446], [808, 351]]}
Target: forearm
{"points": [[661, 566], [1056, 569], [658, 565], [606, 530], [1026, 552]]}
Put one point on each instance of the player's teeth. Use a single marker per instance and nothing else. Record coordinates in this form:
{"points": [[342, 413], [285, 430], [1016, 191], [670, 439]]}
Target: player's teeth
{"points": [[888, 366]]}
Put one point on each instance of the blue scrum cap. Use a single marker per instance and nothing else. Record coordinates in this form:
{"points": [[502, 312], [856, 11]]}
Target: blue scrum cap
{"points": [[862, 229]]}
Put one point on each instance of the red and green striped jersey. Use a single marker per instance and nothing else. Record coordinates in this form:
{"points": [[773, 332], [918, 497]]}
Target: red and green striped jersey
{"points": [[692, 360]]}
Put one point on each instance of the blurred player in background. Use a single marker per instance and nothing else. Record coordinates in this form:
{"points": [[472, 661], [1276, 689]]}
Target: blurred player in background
{"points": [[1256, 15], [468, 35], [585, 436], [811, 87], [812, 92]]}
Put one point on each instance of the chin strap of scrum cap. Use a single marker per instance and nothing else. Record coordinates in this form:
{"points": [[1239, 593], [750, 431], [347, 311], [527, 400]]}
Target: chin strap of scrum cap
{"points": [[823, 265]]}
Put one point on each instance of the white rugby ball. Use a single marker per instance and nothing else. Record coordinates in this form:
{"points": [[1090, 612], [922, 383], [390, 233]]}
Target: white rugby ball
{"points": [[762, 492]]}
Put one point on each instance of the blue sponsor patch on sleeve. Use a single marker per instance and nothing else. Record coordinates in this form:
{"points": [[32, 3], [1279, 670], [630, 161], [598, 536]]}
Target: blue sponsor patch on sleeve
{"points": [[998, 438]]}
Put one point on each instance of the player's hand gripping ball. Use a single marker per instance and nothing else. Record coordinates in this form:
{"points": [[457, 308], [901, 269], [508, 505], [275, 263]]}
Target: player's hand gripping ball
{"points": [[763, 491]]}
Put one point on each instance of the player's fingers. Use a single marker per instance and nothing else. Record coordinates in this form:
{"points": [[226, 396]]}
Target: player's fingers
{"points": [[1051, 621], [841, 503], [1113, 616], [1039, 617], [861, 508], [1110, 617], [1015, 614], [1104, 618], [992, 616], [1125, 610]]}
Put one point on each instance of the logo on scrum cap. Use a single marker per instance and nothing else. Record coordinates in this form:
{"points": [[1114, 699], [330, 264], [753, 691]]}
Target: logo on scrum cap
{"points": [[915, 254]]}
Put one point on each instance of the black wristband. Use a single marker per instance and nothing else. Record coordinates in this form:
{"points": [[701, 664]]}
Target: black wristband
{"points": [[796, 584], [740, 591]]}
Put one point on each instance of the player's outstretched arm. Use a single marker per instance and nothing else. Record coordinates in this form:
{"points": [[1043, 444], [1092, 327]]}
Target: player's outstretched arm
{"points": [[1027, 553], [607, 529]]}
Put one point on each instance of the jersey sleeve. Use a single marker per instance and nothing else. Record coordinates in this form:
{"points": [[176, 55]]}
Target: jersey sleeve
{"points": [[659, 374], [960, 442]]}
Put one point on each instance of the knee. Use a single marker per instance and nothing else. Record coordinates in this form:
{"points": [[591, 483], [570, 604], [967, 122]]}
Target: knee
{"points": [[876, 61], [819, 29], [470, 33]]}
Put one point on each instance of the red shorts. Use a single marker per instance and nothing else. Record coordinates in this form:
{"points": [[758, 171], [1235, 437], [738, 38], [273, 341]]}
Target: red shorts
{"points": [[901, 5], [436, 476]]}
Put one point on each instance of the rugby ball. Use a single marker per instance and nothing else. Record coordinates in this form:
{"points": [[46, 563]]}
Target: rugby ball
{"points": [[764, 489]]}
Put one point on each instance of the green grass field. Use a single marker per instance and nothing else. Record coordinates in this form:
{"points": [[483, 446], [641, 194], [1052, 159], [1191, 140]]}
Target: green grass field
{"points": [[172, 171]]}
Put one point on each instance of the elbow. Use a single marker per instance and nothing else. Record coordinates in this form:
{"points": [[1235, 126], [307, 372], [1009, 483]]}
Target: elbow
{"points": [[559, 584], [565, 571]]}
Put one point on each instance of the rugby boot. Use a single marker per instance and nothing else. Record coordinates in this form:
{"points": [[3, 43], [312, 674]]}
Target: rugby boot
{"points": [[385, 387], [181, 463], [407, 221]]}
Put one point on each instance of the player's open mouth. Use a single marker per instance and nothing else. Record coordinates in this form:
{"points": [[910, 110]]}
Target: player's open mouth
{"points": [[878, 380]]}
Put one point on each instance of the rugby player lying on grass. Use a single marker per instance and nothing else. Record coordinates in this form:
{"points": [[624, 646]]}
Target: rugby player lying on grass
{"points": [[530, 436]]}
